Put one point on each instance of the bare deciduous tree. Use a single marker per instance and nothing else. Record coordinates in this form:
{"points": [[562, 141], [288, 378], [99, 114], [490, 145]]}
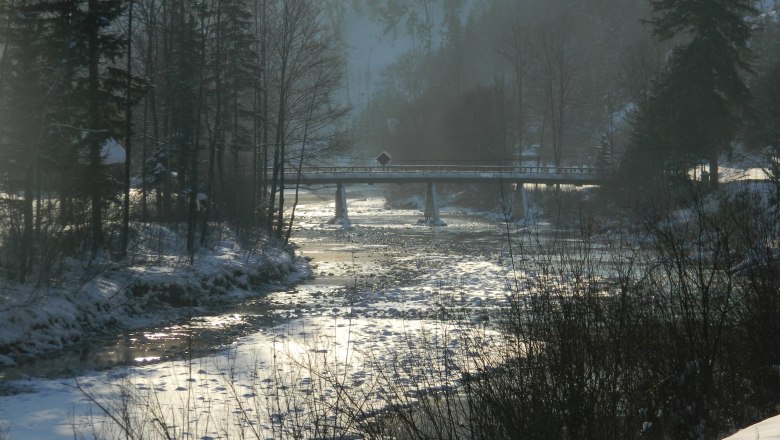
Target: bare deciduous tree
{"points": [[559, 66], [516, 53], [300, 53]]}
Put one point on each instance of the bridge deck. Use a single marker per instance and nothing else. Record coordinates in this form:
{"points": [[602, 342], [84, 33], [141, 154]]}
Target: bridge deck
{"points": [[450, 173]]}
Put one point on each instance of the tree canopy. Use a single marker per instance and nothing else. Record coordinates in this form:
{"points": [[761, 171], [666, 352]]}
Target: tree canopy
{"points": [[694, 110]]}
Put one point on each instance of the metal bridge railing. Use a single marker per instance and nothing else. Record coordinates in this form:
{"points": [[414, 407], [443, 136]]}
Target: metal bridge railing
{"points": [[459, 169]]}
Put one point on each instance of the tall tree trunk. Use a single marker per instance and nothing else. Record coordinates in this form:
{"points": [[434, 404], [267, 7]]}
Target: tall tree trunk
{"points": [[714, 170], [162, 122], [236, 198], [264, 117], [149, 104], [212, 152], [256, 120], [219, 123], [193, 211], [281, 140], [192, 215], [94, 168], [38, 204], [281, 120], [272, 192], [144, 149], [25, 256], [255, 151], [128, 132], [300, 165]]}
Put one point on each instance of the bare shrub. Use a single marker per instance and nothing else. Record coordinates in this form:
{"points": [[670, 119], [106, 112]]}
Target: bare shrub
{"points": [[665, 334]]}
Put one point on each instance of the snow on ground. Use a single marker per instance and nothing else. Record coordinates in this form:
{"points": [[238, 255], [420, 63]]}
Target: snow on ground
{"points": [[359, 344], [765, 430], [154, 284], [302, 369], [341, 349], [344, 345]]}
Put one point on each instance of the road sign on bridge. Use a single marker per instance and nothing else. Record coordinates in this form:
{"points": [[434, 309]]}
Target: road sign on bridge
{"points": [[383, 159]]}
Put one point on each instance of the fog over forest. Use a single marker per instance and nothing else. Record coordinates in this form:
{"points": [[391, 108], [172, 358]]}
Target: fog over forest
{"points": [[412, 219], [481, 81], [218, 101]]}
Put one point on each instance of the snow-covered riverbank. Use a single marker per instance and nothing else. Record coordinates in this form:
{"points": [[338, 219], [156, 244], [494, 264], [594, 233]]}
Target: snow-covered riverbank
{"points": [[397, 310], [376, 305], [155, 284]]}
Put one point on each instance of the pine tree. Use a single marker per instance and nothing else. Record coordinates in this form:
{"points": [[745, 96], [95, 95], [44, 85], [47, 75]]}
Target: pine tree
{"points": [[60, 148], [100, 89], [22, 116], [764, 122], [238, 80], [61, 101], [699, 98]]}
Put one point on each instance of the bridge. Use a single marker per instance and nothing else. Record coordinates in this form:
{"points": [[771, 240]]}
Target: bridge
{"points": [[433, 174], [451, 173]]}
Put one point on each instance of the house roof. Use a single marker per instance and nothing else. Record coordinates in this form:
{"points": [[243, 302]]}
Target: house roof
{"points": [[112, 152]]}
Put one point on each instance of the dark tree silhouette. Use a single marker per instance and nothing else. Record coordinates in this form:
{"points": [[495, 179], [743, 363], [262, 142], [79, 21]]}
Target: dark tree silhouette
{"points": [[695, 106]]}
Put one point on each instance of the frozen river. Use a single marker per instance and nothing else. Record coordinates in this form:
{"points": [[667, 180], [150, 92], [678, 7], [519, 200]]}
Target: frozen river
{"points": [[395, 309]]}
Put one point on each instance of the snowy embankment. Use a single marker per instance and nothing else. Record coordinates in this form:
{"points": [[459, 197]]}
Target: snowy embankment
{"points": [[766, 429], [344, 354], [154, 284]]}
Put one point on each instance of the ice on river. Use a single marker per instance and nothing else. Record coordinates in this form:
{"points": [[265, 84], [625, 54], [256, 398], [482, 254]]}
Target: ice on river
{"points": [[288, 377], [346, 348]]}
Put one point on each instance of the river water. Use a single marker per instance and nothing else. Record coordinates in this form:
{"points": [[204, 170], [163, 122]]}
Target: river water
{"points": [[383, 289]]}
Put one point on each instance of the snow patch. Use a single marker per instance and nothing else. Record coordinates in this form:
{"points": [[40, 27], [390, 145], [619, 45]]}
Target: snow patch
{"points": [[112, 152], [156, 279]]}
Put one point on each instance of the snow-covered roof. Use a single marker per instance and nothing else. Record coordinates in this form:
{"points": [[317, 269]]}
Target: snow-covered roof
{"points": [[112, 152]]}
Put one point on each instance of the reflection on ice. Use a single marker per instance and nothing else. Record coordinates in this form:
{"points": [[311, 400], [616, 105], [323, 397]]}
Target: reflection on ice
{"points": [[311, 375], [397, 311]]}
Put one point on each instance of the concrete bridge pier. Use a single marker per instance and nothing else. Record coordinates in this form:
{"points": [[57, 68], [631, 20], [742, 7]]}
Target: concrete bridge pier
{"points": [[508, 202], [522, 205], [516, 203], [342, 216], [432, 217]]}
